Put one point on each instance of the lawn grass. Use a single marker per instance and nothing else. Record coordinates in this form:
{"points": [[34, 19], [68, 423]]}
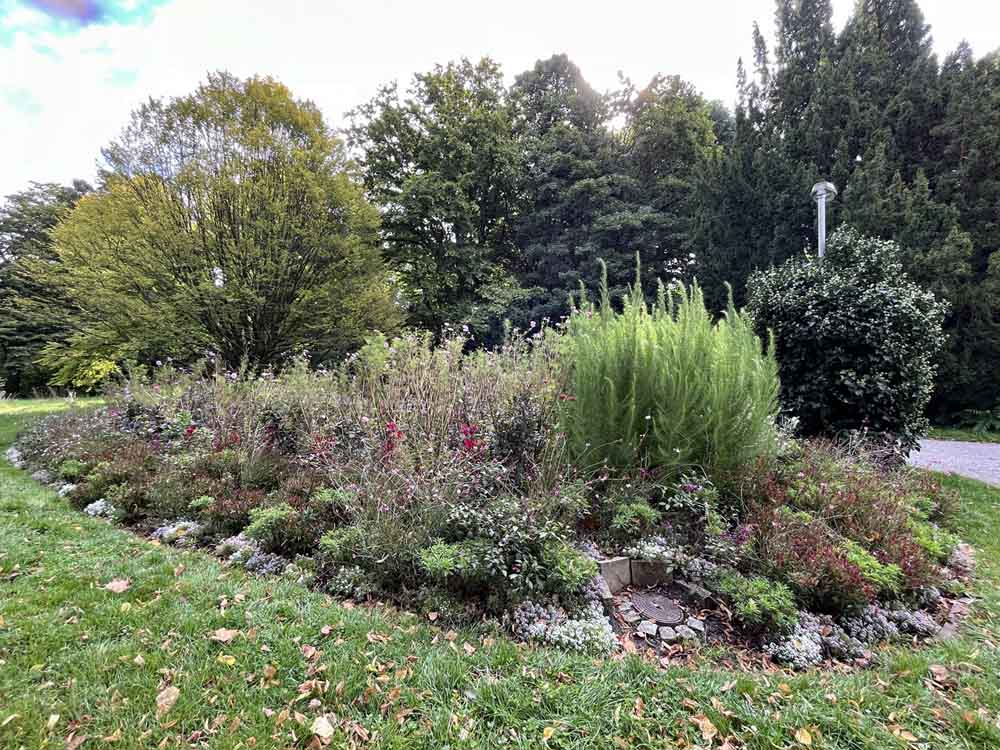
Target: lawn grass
{"points": [[965, 434], [78, 660]]}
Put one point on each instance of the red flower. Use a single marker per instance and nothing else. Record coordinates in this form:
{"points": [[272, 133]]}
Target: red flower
{"points": [[393, 436], [470, 443]]}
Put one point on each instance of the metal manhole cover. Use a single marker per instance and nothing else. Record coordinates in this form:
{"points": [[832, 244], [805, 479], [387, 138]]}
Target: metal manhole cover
{"points": [[659, 608]]}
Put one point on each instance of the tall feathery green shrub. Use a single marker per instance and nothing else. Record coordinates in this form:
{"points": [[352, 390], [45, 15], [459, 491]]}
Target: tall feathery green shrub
{"points": [[668, 386]]}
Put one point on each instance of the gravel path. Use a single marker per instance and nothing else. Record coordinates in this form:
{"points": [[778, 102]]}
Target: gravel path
{"points": [[976, 460]]}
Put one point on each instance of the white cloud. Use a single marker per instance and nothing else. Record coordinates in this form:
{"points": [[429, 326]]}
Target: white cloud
{"points": [[337, 53]]}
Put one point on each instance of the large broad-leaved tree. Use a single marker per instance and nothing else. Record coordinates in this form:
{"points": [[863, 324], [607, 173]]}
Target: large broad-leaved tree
{"points": [[441, 162], [228, 222]]}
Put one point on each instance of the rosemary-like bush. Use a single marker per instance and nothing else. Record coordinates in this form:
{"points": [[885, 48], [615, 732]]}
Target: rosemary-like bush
{"points": [[667, 387]]}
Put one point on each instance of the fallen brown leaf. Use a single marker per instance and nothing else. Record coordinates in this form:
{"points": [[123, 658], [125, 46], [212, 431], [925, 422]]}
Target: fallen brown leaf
{"points": [[940, 674], [224, 635], [322, 728], [117, 735], [705, 725], [166, 700]]}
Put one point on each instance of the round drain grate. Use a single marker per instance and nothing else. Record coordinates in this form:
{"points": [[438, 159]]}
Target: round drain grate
{"points": [[659, 608]]}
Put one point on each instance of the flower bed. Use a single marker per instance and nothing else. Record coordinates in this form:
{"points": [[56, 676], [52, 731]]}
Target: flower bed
{"points": [[440, 480]]}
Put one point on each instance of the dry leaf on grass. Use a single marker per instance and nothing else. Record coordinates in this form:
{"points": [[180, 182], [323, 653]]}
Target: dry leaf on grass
{"points": [[708, 730], [322, 728], [118, 585], [224, 635], [941, 675], [113, 737], [166, 700], [903, 734]]}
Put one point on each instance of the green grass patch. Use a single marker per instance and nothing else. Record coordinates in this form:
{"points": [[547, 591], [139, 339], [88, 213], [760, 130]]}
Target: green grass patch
{"points": [[80, 660], [966, 434]]}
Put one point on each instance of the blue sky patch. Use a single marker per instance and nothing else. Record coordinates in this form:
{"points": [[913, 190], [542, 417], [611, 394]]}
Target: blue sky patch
{"points": [[22, 100], [65, 17], [122, 77]]}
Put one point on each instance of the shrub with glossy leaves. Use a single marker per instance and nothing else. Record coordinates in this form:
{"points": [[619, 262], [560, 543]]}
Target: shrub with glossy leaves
{"points": [[857, 339]]}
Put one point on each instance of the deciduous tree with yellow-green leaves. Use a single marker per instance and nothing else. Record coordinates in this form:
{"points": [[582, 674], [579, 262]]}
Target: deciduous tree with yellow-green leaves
{"points": [[228, 222]]}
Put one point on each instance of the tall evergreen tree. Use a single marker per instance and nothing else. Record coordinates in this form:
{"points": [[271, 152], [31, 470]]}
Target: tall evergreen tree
{"points": [[31, 314], [593, 192], [669, 137], [568, 183]]}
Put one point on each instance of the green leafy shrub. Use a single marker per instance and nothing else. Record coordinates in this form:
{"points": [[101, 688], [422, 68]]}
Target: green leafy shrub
{"points": [[442, 560], [72, 470], [937, 542], [95, 486], [667, 386], [123, 480], [634, 519], [171, 493], [280, 529], [757, 602], [335, 502], [886, 578], [201, 503], [514, 540], [342, 545], [569, 569], [856, 339], [468, 561], [230, 507]]}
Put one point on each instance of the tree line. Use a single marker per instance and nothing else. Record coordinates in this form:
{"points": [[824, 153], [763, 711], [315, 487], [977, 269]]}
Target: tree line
{"points": [[235, 223]]}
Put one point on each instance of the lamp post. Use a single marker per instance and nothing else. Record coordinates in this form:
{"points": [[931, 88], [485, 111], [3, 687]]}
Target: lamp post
{"points": [[821, 193]]}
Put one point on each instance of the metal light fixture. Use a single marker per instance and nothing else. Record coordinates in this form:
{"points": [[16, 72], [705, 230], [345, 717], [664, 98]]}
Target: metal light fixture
{"points": [[821, 193]]}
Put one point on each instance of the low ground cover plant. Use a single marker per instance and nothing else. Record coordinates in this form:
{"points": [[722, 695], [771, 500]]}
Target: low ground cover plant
{"points": [[453, 483]]}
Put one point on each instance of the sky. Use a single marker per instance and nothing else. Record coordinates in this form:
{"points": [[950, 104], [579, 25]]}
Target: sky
{"points": [[72, 70]]}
